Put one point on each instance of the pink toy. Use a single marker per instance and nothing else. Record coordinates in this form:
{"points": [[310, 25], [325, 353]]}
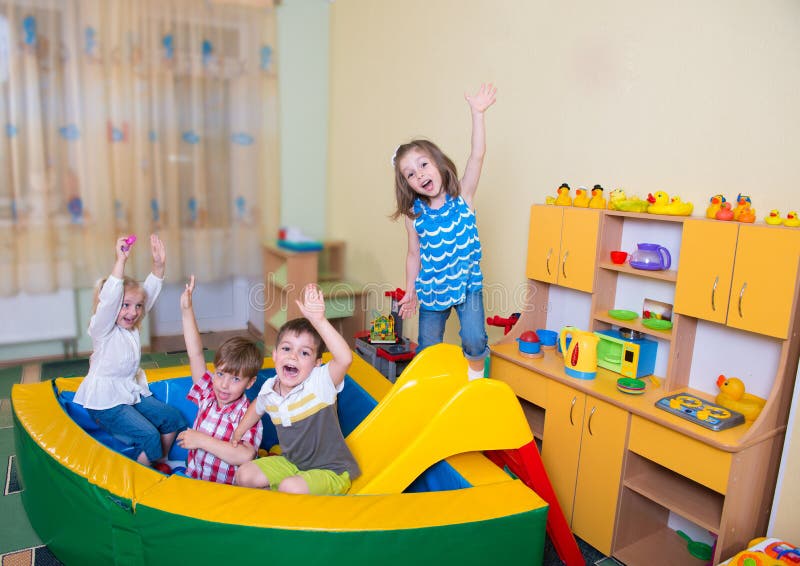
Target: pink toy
{"points": [[725, 212], [129, 241]]}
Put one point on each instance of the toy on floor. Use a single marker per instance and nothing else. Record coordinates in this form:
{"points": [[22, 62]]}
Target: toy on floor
{"points": [[791, 219], [732, 396], [581, 197], [129, 241], [618, 200], [742, 201], [597, 200], [716, 202], [773, 218], [765, 552], [725, 212], [660, 203], [747, 214]]}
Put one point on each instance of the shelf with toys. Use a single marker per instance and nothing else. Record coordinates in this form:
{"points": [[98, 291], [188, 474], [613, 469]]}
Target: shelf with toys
{"points": [[739, 313]]}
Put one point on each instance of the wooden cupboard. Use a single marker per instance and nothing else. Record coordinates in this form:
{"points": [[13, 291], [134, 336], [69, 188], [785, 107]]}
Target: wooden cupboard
{"points": [[583, 452], [562, 249], [641, 466], [739, 275]]}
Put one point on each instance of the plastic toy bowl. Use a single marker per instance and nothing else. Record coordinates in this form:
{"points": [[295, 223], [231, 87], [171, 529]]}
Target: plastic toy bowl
{"points": [[618, 257], [621, 314], [656, 323], [630, 386], [529, 343], [547, 337]]}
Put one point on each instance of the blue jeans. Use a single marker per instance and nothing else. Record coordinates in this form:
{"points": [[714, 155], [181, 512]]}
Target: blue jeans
{"points": [[474, 341], [141, 425]]}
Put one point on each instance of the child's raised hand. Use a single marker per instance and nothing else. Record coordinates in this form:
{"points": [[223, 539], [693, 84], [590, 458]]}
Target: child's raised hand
{"points": [[482, 99], [159, 255], [186, 296], [313, 305], [123, 250]]}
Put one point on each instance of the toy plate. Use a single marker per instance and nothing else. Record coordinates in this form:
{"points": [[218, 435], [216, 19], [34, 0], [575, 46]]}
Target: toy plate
{"points": [[657, 323], [621, 314], [630, 386]]}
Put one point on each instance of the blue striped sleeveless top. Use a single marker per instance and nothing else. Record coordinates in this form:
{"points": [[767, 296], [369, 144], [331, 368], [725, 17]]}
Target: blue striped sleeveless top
{"points": [[449, 252]]}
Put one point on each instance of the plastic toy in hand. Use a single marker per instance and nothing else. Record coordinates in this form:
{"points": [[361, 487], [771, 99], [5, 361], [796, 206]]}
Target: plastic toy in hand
{"points": [[129, 241]]}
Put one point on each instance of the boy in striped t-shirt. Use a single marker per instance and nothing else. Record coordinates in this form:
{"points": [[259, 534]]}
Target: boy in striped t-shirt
{"points": [[220, 401]]}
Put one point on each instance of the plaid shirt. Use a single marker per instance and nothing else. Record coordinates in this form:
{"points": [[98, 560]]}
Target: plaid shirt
{"points": [[219, 423]]}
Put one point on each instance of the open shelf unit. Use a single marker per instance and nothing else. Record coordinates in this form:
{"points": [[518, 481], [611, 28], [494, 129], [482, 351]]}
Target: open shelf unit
{"points": [[287, 272]]}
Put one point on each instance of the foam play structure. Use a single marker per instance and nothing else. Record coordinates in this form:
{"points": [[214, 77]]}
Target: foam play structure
{"points": [[427, 493]]}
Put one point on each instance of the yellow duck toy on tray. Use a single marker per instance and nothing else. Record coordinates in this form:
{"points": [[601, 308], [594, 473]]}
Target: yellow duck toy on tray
{"points": [[581, 199], [791, 219], [732, 396], [716, 202], [773, 218], [660, 203], [618, 200], [597, 200]]}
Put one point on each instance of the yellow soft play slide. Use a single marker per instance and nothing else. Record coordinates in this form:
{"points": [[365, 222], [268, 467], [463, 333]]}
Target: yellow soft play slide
{"points": [[433, 412]]}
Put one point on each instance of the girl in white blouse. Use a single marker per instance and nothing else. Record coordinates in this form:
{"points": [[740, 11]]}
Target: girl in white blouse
{"points": [[115, 391]]}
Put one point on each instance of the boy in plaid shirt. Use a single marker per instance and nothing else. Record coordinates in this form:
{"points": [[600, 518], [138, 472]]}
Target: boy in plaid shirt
{"points": [[220, 401]]}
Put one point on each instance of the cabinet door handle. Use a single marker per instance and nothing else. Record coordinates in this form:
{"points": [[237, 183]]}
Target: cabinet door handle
{"points": [[547, 261], [572, 408], [589, 424], [713, 293], [741, 296], [564, 264]]}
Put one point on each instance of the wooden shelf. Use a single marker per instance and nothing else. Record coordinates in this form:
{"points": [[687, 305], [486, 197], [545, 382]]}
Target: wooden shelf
{"points": [[647, 216], [661, 548], [674, 492], [662, 275], [635, 324]]}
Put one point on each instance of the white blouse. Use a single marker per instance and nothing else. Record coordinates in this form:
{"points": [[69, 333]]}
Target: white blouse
{"points": [[115, 377]]}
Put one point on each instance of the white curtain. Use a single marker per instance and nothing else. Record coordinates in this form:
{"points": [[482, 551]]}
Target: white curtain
{"points": [[131, 117]]}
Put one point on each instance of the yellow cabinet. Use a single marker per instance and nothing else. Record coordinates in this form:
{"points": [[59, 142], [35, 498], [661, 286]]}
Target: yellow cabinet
{"points": [[583, 449], [740, 275], [562, 246]]}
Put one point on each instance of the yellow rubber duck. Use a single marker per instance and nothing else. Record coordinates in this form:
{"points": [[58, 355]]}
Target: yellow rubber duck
{"points": [[660, 203], [597, 200], [774, 217], [618, 200], [563, 198], [716, 201], [747, 214], [581, 197], [741, 202], [791, 219], [732, 396]]}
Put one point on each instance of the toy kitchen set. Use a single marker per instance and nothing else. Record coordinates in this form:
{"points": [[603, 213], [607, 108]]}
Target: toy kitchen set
{"points": [[678, 305]]}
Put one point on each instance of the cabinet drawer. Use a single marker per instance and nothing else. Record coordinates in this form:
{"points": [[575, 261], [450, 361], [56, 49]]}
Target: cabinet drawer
{"points": [[690, 458], [527, 384]]}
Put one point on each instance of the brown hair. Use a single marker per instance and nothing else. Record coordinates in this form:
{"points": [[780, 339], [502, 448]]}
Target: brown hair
{"points": [[128, 284], [299, 326], [239, 356], [404, 194]]}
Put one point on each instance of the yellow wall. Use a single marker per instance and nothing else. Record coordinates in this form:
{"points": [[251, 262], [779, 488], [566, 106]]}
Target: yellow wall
{"points": [[690, 97]]}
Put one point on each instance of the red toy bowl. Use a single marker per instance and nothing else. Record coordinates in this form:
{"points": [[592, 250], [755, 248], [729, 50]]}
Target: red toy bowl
{"points": [[619, 257]]}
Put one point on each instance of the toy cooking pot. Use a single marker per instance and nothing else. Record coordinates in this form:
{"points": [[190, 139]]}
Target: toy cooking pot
{"points": [[529, 344], [651, 257], [580, 357]]}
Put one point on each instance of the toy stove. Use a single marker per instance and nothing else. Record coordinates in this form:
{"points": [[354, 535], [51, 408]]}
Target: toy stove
{"points": [[700, 411]]}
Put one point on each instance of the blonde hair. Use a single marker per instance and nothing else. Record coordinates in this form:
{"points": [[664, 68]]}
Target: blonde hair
{"points": [[128, 284], [403, 192]]}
